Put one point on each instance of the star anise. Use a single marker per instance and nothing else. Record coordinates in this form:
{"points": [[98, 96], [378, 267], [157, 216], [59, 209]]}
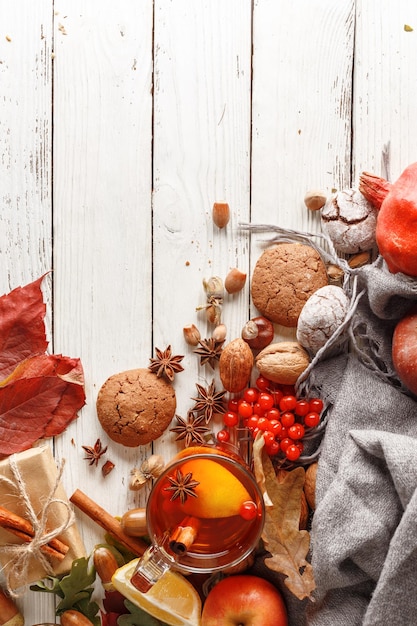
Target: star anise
{"points": [[209, 351], [209, 401], [94, 453], [182, 486], [166, 364], [192, 429]]}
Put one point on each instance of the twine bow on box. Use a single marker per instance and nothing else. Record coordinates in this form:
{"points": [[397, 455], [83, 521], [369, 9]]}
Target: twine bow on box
{"points": [[38, 542]]}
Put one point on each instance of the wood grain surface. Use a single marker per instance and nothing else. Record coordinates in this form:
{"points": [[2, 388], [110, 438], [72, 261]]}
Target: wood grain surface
{"points": [[121, 123]]}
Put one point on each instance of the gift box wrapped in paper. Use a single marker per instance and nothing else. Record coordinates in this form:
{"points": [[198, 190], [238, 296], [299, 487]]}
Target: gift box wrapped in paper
{"points": [[30, 486]]}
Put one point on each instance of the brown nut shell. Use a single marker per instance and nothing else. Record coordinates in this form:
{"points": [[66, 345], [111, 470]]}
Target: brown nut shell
{"points": [[258, 332], [235, 365], [221, 214], [310, 485], [235, 281], [282, 362], [74, 618], [105, 563], [315, 199], [9, 613], [134, 522]]}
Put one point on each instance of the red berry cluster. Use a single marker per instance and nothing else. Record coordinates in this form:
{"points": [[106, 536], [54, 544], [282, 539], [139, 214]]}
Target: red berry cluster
{"points": [[274, 410]]}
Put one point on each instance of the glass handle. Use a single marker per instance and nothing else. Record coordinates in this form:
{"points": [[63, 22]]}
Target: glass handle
{"points": [[149, 570]]}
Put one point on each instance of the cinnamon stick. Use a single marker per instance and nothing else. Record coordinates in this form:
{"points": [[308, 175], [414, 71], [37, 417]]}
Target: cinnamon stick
{"points": [[23, 529], [109, 523], [184, 535]]}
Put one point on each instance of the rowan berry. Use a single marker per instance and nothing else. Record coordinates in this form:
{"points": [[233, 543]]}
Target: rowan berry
{"points": [[312, 419], [223, 436]]}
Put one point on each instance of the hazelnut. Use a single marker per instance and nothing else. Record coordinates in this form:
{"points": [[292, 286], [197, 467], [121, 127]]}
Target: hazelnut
{"points": [[219, 333], [191, 335], [221, 214], [315, 200], [150, 468], [235, 281], [258, 332]]}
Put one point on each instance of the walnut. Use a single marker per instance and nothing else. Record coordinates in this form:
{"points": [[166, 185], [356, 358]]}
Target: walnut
{"points": [[282, 362], [235, 365], [310, 485]]}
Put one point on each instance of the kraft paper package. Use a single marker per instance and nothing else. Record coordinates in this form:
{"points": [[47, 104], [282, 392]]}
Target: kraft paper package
{"points": [[29, 485]]}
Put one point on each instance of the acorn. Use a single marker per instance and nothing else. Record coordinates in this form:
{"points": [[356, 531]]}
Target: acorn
{"points": [[9, 613]]}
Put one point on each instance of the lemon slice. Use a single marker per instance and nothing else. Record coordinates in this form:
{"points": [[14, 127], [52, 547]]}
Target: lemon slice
{"points": [[172, 599], [219, 493]]}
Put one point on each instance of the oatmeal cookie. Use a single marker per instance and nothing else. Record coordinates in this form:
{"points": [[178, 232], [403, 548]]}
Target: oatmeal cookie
{"points": [[285, 276], [135, 407]]}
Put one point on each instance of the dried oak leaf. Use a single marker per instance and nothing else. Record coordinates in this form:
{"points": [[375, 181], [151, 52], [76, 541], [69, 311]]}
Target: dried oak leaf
{"points": [[287, 544], [41, 393]]}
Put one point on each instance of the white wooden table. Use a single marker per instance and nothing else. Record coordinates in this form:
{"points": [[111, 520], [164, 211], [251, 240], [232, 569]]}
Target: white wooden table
{"points": [[122, 122]]}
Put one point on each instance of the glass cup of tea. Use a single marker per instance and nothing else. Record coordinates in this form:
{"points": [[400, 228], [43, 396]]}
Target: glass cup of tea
{"points": [[205, 513]]}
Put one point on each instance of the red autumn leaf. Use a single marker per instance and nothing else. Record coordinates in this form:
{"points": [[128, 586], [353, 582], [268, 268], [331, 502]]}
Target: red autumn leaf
{"points": [[22, 329], [42, 393]]}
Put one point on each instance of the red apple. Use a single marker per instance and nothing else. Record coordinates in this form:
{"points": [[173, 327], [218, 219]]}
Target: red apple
{"points": [[404, 349], [244, 600]]}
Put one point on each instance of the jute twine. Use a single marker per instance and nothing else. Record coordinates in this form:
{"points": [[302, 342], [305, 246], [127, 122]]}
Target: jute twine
{"points": [[20, 555]]}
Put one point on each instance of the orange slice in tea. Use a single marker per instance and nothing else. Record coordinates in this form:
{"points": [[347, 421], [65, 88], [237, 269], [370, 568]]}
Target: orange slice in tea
{"points": [[219, 493]]}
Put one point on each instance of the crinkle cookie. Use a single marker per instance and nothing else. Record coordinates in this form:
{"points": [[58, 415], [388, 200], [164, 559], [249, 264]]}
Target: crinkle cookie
{"points": [[135, 407], [285, 276], [350, 221], [321, 316]]}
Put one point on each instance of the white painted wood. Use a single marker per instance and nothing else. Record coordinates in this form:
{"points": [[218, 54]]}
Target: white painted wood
{"points": [[25, 142], [160, 108], [201, 156], [102, 220], [302, 90], [26, 168], [301, 107], [385, 94]]}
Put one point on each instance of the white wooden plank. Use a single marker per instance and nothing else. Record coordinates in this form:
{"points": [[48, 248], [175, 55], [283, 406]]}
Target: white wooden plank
{"points": [[302, 73], [25, 140], [202, 155], [296, 99], [26, 168], [385, 93], [102, 221], [303, 54]]}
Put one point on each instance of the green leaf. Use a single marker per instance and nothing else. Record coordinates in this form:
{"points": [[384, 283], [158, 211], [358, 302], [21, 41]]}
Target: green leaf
{"points": [[75, 590], [76, 585], [89, 609], [126, 554], [138, 617], [49, 584]]}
